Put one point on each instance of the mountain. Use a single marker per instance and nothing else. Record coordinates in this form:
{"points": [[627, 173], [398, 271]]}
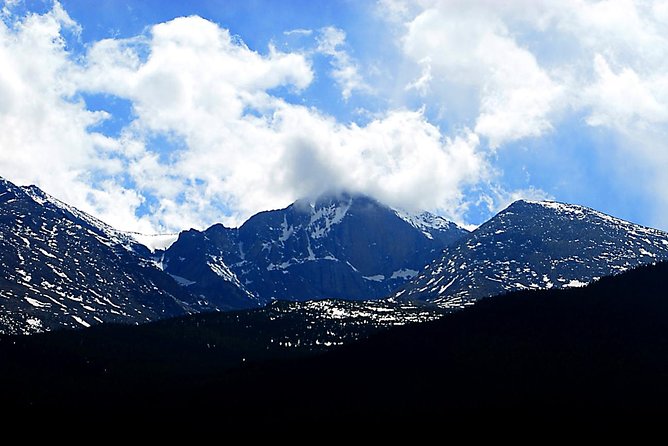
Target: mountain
{"points": [[602, 347], [60, 267], [339, 246], [535, 245]]}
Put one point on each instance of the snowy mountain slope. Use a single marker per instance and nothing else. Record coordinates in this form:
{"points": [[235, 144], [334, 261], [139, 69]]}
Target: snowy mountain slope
{"points": [[432, 226], [340, 246], [103, 230], [535, 245], [60, 267], [131, 240]]}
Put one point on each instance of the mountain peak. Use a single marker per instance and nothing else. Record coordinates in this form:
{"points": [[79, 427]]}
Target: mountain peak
{"points": [[576, 212], [332, 198], [535, 245], [337, 245]]}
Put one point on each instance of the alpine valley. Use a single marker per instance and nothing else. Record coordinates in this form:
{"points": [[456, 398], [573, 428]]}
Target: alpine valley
{"points": [[62, 268]]}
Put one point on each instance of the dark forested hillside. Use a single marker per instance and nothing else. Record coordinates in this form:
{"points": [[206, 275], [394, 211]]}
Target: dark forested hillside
{"points": [[602, 346]]}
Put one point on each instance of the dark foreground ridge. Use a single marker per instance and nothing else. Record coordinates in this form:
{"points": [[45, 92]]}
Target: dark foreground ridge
{"points": [[604, 346]]}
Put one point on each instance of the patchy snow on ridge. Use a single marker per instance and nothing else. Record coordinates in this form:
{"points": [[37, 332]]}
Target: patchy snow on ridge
{"points": [[575, 284], [404, 273], [113, 235], [535, 245], [425, 221]]}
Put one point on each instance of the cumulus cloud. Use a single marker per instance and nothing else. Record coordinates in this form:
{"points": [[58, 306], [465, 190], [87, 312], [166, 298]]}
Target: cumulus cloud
{"points": [[527, 65], [251, 150], [212, 138], [234, 147], [46, 137], [469, 45], [495, 49]]}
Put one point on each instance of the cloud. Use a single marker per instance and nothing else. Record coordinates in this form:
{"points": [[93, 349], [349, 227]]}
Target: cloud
{"points": [[227, 145], [501, 198], [396, 10], [46, 137], [251, 150], [298, 32], [345, 70], [530, 62], [471, 46], [624, 99], [518, 70], [421, 84], [211, 136]]}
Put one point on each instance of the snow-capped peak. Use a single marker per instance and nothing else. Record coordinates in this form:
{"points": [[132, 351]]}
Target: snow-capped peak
{"points": [[425, 221], [581, 212]]}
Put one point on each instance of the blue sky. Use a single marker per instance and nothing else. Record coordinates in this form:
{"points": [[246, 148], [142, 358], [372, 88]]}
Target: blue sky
{"points": [[160, 116]]}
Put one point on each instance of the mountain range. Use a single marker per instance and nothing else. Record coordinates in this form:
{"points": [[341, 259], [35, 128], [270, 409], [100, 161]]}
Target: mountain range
{"points": [[62, 268]]}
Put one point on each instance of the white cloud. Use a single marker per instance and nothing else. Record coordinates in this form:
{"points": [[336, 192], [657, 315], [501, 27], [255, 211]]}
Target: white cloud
{"points": [[498, 198], [45, 137], [624, 99], [238, 148], [253, 151], [528, 64], [345, 70], [470, 46], [421, 84], [496, 49], [395, 10]]}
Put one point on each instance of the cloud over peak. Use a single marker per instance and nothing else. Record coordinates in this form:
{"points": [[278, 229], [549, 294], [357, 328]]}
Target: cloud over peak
{"points": [[230, 146]]}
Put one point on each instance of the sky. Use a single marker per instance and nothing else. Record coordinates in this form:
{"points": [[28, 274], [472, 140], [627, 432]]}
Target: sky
{"points": [[161, 116]]}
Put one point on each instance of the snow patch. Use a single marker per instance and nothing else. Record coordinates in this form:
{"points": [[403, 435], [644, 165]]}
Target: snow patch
{"points": [[35, 303], [404, 273], [218, 266], [81, 321], [182, 280], [34, 322], [445, 287], [426, 222], [286, 231], [323, 219], [646, 253], [575, 284], [46, 253], [279, 266]]}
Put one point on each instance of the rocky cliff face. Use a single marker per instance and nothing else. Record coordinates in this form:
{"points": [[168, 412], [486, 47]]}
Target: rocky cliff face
{"points": [[344, 246]]}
